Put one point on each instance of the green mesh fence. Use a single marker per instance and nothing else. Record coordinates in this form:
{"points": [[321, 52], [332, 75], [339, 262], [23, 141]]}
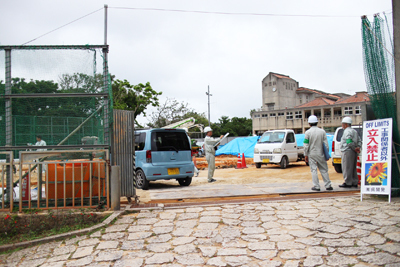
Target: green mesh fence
{"points": [[379, 76], [56, 70]]}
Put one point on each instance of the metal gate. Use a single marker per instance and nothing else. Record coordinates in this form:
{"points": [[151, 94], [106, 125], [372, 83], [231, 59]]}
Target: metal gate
{"points": [[122, 149]]}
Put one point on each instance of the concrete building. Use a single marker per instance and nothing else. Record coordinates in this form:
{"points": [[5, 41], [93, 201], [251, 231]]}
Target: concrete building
{"points": [[287, 106]]}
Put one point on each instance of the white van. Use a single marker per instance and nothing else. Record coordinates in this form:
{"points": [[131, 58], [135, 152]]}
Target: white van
{"points": [[336, 153], [277, 147]]}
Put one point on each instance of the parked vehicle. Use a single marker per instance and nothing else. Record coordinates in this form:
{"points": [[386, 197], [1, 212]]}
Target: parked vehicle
{"points": [[336, 153], [162, 154], [277, 147], [198, 150]]}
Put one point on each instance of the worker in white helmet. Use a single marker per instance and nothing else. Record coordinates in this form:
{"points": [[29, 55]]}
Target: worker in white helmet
{"points": [[314, 139], [209, 148], [350, 145]]}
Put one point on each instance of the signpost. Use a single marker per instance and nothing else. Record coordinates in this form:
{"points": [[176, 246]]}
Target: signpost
{"points": [[377, 157]]}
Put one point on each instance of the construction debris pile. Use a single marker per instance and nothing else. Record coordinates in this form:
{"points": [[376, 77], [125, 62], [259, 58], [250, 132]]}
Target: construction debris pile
{"points": [[223, 161]]}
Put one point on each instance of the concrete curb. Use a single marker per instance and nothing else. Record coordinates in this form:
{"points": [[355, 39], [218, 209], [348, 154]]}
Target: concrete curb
{"points": [[106, 222]]}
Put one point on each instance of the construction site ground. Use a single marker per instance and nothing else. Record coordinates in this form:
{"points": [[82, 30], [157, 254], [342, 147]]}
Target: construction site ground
{"points": [[269, 180]]}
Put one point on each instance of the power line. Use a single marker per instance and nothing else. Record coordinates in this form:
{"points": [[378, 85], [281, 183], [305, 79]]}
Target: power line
{"points": [[234, 13], [200, 12], [62, 26]]}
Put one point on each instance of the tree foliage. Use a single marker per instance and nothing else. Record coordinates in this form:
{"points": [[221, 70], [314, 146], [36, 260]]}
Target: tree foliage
{"points": [[134, 97], [81, 83], [235, 126], [170, 111], [125, 96]]}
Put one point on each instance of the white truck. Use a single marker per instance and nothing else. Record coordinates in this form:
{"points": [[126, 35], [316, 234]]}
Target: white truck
{"points": [[277, 147], [336, 153]]}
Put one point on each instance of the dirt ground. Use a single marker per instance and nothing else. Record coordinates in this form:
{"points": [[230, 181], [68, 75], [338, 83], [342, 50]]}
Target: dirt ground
{"points": [[295, 172]]}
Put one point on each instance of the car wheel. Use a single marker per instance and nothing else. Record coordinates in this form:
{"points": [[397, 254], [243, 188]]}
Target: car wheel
{"points": [[258, 165], [141, 181], [284, 163], [338, 168], [185, 182]]}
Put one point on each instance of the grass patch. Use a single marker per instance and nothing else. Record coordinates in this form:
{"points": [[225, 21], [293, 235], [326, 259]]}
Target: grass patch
{"points": [[33, 224]]}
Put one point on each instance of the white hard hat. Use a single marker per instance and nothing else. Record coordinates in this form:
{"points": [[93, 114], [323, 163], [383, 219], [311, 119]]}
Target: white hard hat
{"points": [[312, 119], [347, 120], [207, 129]]}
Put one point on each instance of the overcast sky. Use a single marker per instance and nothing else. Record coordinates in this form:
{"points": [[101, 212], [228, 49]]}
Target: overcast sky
{"points": [[181, 53]]}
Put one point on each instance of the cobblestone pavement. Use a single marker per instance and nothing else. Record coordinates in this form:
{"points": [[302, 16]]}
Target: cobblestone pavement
{"points": [[338, 231]]}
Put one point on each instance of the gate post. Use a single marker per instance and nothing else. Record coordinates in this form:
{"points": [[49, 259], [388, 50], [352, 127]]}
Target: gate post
{"points": [[115, 187]]}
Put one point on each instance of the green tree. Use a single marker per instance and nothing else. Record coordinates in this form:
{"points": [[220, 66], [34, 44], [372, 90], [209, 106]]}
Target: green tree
{"points": [[134, 97], [235, 126], [170, 111], [81, 83]]}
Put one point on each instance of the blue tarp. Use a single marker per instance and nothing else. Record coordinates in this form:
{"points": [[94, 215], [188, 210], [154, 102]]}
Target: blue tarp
{"points": [[239, 145], [246, 145]]}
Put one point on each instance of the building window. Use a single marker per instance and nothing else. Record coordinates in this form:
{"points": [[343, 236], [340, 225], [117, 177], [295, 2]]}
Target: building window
{"points": [[271, 106], [272, 114], [337, 112], [281, 113], [289, 115], [301, 101], [307, 98], [357, 110], [264, 115], [348, 110], [274, 82], [298, 115], [270, 83], [327, 113], [256, 115]]}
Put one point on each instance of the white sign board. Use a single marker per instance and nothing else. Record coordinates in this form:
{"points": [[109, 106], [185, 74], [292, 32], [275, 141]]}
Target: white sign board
{"points": [[377, 157]]}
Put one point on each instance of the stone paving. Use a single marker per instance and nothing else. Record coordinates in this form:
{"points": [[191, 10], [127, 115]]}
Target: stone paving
{"points": [[339, 231]]}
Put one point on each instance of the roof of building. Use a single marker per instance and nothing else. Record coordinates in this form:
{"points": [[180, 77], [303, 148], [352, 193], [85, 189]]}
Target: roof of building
{"points": [[320, 101], [303, 89], [358, 97], [281, 76]]}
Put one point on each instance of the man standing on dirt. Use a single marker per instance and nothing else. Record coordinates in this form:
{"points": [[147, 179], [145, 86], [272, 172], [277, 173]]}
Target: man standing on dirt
{"points": [[209, 148], [314, 140], [349, 146]]}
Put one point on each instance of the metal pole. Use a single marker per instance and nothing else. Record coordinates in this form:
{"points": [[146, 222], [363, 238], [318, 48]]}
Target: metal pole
{"points": [[105, 24], [105, 82], [8, 111], [115, 187], [208, 94], [396, 40]]}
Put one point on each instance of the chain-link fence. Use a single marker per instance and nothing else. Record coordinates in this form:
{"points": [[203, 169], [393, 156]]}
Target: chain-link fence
{"points": [[59, 97]]}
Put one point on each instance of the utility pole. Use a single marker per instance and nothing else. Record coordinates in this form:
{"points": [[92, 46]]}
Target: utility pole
{"points": [[396, 40], [208, 94]]}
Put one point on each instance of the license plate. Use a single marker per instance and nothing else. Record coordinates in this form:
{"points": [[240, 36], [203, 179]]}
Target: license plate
{"points": [[337, 160], [265, 160], [173, 171]]}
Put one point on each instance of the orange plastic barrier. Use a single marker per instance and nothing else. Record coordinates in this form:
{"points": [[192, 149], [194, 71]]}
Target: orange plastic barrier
{"points": [[73, 173]]}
